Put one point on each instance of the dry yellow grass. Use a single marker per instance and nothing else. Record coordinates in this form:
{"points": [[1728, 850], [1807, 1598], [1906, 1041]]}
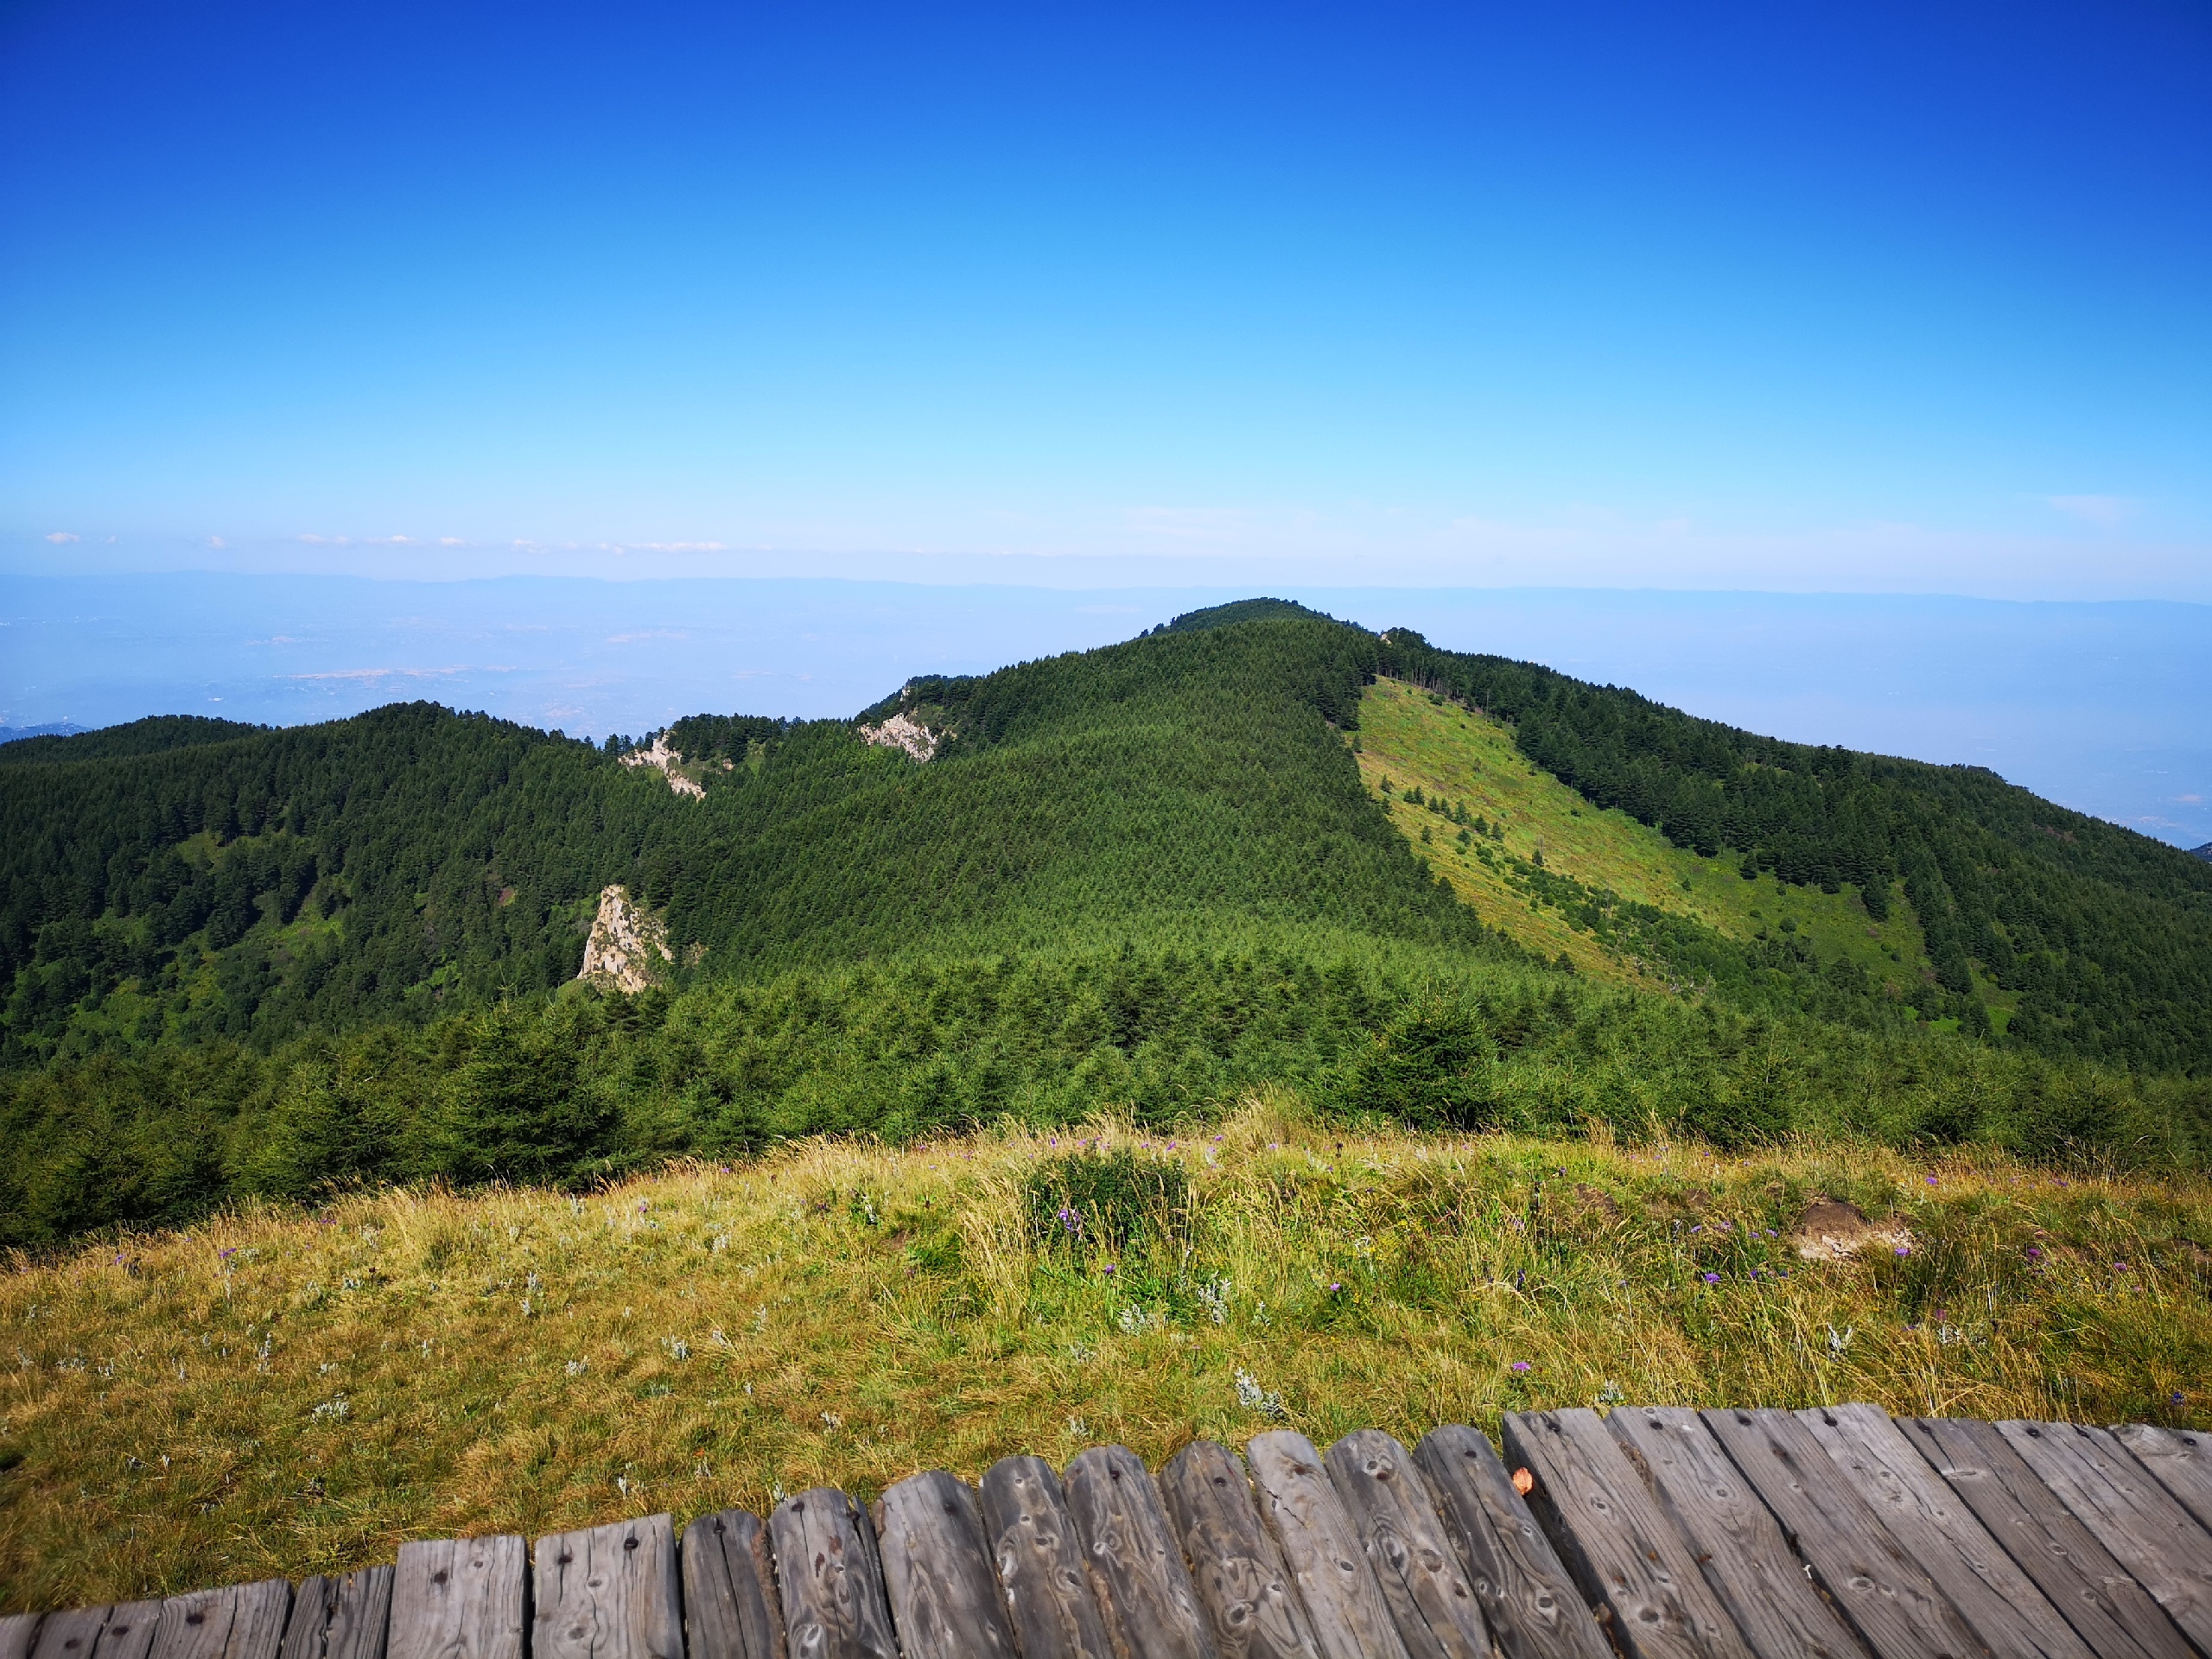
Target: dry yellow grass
{"points": [[280, 1392]]}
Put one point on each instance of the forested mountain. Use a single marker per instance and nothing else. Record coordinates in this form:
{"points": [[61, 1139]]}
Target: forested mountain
{"points": [[2106, 934], [235, 958]]}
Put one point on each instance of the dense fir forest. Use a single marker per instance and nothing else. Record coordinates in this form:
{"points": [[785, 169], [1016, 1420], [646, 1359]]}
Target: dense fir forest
{"points": [[238, 960]]}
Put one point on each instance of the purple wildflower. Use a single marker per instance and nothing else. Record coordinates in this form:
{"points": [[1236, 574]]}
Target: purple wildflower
{"points": [[1712, 1278], [1521, 1365]]}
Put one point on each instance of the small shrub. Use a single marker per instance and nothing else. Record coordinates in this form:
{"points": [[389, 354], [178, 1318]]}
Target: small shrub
{"points": [[1107, 1200]]}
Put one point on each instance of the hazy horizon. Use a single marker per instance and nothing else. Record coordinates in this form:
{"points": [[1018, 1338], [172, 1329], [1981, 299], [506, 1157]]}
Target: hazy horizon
{"points": [[2093, 705]]}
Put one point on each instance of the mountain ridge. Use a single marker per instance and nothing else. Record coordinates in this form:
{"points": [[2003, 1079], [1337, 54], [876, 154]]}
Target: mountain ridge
{"points": [[1148, 877]]}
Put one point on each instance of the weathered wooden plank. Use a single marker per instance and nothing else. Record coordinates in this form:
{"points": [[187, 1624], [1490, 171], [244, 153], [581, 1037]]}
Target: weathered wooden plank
{"points": [[1738, 1542], [1528, 1598], [128, 1632], [1249, 1599], [122, 1631], [1941, 1534], [1344, 1604], [2144, 1526], [1039, 1561], [830, 1579], [1873, 1578], [1149, 1605], [608, 1592], [730, 1608], [340, 1617], [18, 1632], [944, 1602], [2115, 1616], [1609, 1530], [239, 1621], [1394, 1516], [74, 1634], [2180, 1458], [459, 1598]]}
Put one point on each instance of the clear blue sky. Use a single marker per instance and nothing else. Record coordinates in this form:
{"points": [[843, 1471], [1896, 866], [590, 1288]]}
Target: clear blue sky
{"points": [[1874, 296]]}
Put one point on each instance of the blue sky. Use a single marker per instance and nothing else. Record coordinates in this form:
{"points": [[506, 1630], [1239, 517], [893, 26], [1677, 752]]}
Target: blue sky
{"points": [[1878, 297]]}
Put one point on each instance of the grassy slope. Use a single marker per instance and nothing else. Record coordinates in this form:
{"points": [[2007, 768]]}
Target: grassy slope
{"points": [[1414, 739], [287, 1392]]}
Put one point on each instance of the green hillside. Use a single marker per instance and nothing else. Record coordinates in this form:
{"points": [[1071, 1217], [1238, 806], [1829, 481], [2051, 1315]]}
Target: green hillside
{"points": [[1146, 878], [2102, 937], [1615, 897]]}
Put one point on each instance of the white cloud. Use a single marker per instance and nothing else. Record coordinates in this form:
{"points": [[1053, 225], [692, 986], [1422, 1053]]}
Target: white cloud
{"points": [[2093, 509], [58, 537]]}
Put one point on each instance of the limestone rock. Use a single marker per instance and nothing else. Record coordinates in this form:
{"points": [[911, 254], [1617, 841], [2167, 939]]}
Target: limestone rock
{"points": [[668, 760], [625, 938], [904, 732]]}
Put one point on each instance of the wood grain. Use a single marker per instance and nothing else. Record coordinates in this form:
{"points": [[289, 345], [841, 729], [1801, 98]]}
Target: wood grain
{"points": [[1942, 1534], [1250, 1602], [2115, 1616], [74, 1634], [459, 1598], [1873, 1578], [240, 1621], [1528, 1598], [830, 1578], [1040, 1562], [944, 1602], [122, 1631], [1624, 1553], [1149, 1606], [1738, 1544], [2135, 1518], [1344, 1606], [1395, 1516], [18, 1632], [341, 1618], [2180, 1458], [128, 1632], [608, 1592], [730, 1609]]}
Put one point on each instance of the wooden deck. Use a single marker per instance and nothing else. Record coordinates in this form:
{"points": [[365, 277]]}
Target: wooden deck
{"points": [[1655, 1533]]}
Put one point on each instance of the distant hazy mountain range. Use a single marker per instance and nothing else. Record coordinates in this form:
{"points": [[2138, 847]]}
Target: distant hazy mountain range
{"points": [[59, 728]]}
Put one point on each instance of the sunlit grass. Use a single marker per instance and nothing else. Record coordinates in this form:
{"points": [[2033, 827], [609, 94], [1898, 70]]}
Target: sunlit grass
{"points": [[1442, 748], [283, 1392]]}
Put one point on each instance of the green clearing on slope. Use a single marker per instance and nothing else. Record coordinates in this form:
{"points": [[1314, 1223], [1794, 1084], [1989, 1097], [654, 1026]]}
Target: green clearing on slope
{"points": [[1564, 877]]}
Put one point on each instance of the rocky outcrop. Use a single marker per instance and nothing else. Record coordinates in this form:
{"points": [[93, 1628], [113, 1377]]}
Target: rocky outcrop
{"points": [[1830, 1229], [904, 732], [627, 947], [668, 760]]}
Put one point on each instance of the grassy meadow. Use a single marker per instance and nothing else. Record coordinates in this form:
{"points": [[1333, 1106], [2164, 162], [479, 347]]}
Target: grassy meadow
{"points": [[285, 1390], [1417, 741]]}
